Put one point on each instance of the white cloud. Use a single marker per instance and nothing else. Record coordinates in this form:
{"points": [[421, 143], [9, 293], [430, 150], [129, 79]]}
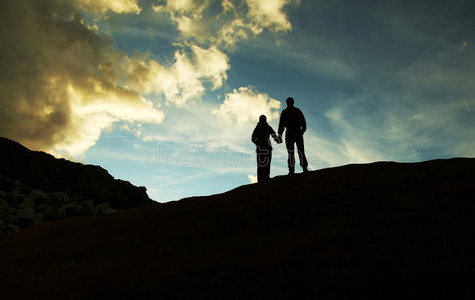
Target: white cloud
{"points": [[252, 178], [92, 112], [245, 105], [268, 14], [188, 17], [227, 5], [185, 79], [198, 20], [195, 127], [116, 6], [233, 32]]}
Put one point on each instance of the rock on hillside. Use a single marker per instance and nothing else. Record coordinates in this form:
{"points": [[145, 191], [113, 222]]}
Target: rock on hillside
{"points": [[381, 231], [36, 187]]}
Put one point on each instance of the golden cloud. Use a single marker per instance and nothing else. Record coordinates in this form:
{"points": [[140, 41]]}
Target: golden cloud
{"points": [[182, 81], [268, 14], [104, 6], [198, 20], [252, 178], [60, 80], [188, 15], [245, 105]]}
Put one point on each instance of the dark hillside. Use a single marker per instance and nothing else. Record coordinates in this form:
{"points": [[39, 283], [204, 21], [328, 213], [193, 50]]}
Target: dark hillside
{"points": [[36, 187], [42, 171], [383, 230]]}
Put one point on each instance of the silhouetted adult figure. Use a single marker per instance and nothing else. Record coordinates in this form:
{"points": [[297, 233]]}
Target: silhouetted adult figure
{"points": [[293, 121], [260, 137]]}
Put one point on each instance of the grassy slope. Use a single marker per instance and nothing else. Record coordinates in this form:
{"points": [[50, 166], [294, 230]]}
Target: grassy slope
{"points": [[385, 230]]}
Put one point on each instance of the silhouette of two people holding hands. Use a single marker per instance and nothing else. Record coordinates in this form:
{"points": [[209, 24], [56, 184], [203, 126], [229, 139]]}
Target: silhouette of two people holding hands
{"points": [[293, 123]]}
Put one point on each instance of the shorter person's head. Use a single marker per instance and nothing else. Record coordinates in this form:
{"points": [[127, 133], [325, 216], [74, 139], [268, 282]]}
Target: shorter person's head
{"points": [[262, 118], [290, 101]]}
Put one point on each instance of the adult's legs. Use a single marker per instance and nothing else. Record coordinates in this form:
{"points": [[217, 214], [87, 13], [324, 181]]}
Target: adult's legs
{"points": [[289, 144], [301, 152], [266, 168], [264, 157]]}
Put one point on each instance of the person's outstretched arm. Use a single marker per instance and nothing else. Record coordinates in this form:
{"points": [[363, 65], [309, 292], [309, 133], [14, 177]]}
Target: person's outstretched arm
{"points": [[274, 135]]}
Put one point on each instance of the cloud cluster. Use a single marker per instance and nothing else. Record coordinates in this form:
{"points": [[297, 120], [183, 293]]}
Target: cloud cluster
{"points": [[104, 6], [63, 81], [244, 105], [233, 21], [60, 81], [268, 14], [208, 29], [183, 80]]}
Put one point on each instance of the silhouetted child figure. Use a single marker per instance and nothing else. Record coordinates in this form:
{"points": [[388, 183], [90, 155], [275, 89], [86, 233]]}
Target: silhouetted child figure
{"points": [[260, 137], [293, 121]]}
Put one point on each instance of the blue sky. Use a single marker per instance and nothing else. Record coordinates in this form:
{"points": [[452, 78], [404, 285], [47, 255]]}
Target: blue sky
{"points": [[165, 94]]}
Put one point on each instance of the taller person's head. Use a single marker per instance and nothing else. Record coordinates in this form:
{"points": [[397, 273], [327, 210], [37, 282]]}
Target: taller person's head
{"points": [[290, 101]]}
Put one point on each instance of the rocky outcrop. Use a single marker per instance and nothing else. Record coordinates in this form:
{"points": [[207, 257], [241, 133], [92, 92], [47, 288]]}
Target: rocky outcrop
{"points": [[22, 206], [36, 187]]}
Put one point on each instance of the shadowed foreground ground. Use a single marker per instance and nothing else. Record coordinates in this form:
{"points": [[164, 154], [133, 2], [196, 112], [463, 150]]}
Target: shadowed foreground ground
{"points": [[384, 230]]}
